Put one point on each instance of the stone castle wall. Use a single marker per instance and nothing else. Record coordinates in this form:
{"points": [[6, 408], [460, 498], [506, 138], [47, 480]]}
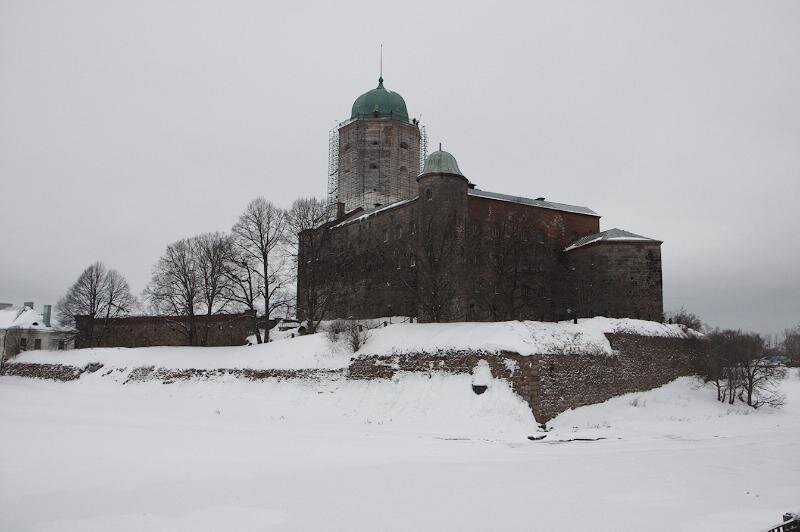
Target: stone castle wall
{"points": [[618, 279], [147, 331], [550, 384], [554, 383], [491, 260]]}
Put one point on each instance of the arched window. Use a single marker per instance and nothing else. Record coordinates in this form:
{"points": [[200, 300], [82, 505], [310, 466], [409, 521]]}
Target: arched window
{"points": [[428, 194]]}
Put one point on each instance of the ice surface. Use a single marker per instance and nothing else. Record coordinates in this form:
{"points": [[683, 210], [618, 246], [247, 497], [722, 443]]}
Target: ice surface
{"points": [[407, 454]]}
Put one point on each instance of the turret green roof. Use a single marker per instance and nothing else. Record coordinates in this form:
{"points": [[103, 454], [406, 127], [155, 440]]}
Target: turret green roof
{"points": [[380, 102], [441, 162]]}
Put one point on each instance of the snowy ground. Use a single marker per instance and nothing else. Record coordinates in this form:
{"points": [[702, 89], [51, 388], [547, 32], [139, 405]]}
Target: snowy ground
{"points": [[411, 454]]}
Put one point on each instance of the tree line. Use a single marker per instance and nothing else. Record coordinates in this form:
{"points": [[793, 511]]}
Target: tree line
{"points": [[742, 365], [251, 268]]}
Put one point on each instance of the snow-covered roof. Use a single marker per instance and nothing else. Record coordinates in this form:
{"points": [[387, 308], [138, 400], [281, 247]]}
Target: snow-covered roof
{"points": [[534, 202], [611, 235], [24, 317], [366, 214]]}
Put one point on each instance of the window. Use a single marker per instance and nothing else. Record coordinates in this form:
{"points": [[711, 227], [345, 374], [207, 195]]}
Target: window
{"points": [[413, 227], [37, 343], [23, 343], [62, 345], [373, 166], [413, 261], [399, 232], [404, 145], [385, 235], [428, 194], [540, 236]]}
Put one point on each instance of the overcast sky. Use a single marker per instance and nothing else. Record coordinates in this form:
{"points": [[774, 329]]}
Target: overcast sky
{"points": [[127, 126]]}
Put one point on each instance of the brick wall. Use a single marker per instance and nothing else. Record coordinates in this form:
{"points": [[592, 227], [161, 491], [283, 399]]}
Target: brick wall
{"points": [[146, 331]]}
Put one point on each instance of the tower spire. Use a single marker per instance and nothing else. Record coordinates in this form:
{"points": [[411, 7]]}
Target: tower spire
{"points": [[380, 75]]}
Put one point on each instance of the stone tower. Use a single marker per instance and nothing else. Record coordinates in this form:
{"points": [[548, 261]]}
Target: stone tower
{"points": [[441, 219], [378, 151]]}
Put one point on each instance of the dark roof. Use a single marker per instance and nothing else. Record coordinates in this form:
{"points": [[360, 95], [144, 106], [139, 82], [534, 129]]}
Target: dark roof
{"points": [[611, 235], [534, 202]]}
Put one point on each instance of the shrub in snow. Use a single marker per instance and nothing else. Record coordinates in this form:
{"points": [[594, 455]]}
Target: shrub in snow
{"points": [[351, 331]]}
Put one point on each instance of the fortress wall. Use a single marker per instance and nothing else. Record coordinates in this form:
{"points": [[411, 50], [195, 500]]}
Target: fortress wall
{"points": [[554, 383]]}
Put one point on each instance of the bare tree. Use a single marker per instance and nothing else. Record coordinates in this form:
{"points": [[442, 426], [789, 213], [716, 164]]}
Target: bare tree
{"points": [[190, 280], [790, 345], [758, 372], [174, 286], [99, 293], [684, 317], [212, 253], [316, 288], [739, 366], [259, 232], [305, 213], [244, 283]]}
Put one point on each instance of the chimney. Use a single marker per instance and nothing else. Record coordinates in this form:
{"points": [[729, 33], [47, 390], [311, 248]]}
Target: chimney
{"points": [[28, 304], [46, 311], [339, 209]]}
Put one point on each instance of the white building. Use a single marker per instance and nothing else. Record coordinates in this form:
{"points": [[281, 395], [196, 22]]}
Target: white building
{"points": [[22, 329]]}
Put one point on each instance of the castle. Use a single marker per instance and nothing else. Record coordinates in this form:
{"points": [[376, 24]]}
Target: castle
{"points": [[433, 246]]}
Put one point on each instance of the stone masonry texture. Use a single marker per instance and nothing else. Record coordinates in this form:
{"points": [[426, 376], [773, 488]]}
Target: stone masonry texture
{"points": [[549, 383], [492, 260], [146, 331]]}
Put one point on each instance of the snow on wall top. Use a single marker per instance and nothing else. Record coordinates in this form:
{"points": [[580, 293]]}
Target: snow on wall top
{"points": [[534, 202], [523, 337], [614, 235], [305, 352], [366, 214], [317, 352]]}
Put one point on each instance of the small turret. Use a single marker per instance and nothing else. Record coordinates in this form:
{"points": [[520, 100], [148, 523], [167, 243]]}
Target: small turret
{"points": [[441, 162]]}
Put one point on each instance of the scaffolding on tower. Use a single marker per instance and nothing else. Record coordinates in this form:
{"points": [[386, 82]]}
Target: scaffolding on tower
{"points": [[423, 147], [333, 168]]}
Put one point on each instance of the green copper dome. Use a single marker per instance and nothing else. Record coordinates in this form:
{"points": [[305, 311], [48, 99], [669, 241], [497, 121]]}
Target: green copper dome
{"points": [[441, 162], [380, 103]]}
